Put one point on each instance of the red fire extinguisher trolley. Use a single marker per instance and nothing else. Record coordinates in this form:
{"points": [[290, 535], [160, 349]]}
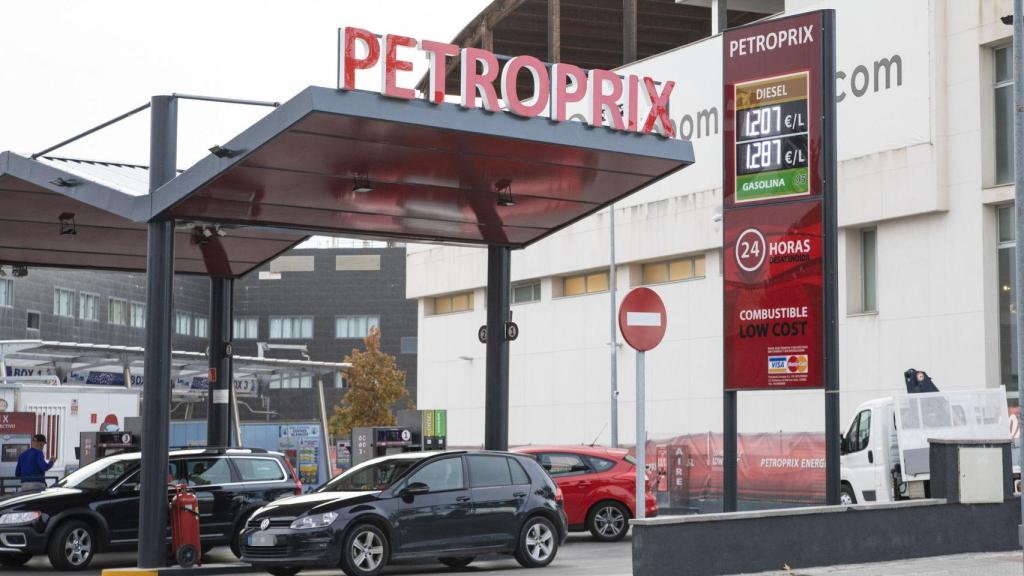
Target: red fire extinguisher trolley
{"points": [[185, 527]]}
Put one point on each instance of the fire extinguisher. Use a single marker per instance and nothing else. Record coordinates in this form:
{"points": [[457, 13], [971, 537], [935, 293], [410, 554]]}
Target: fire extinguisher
{"points": [[185, 527]]}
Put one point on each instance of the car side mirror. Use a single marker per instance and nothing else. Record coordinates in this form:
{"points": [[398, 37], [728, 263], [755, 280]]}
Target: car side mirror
{"points": [[413, 490], [128, 488], [844, 446]]}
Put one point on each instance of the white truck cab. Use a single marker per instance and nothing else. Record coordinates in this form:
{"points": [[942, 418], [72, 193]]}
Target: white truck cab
{"points": [[885, 448]]}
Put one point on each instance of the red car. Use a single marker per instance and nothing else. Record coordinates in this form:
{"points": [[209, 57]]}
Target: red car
{"points": [[598, 485]]}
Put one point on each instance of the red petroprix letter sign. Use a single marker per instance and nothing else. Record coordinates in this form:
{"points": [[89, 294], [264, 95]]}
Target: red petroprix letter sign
{"points": [[773, 199], [631, 104]]}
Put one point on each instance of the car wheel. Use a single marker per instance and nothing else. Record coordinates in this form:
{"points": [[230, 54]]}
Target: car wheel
{"points": [[846, 497], [538, 543], [72, 546], [365, 552], [14, 559], [608, 521], [457, 563], [283, 571], [235, 544]]}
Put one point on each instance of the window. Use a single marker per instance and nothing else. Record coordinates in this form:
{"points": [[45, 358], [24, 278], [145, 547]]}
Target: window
{"points": [[585, 283], [440, 475], [207, 471], [183, 323], [63, 302], [601, 465], [32, 321], [258, 470], [286, 381], [6, 292], [354, 326], [201, 326], [117, 311], [519, 475], [340, 380], [246, 328], [1003, 89], [88, 306], [489, 471], [869, 272], [1007, 286], [453, 303], [285, 327], [524, 293], [673, 270], [409, 344], [138, 316], [859, 434], [563, 464]]}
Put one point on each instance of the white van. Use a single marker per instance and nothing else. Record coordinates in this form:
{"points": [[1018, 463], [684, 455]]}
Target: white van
{"points": [[885, 448]]}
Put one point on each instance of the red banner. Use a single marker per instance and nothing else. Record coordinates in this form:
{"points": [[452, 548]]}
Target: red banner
{"points": [[17, 423]]}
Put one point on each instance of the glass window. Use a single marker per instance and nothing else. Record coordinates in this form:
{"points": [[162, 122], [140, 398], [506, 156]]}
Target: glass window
{"points": [[460, 302], [291, 381], [340, 380], [207, 471], [409, 344], [63, 302], [441, 475], [563, 464], [519, 475], [698, 267], [869, 273], [183, 323], [117, 312], [575, 285], [138, 315], [673, 270], [601, 465], [864, 430], [6, 292], [291, 327], [597, 282], [453, 303], [246, 328], [524, 293], [258, 469], [1003, 114], [655, 273], [88, 306], [373, 475], [489, 471], [1007, 287], [201, 326], [32, 321], [354, 326]]}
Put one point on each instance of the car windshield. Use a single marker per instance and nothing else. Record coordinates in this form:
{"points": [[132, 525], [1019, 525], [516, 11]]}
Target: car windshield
{"points": [[371, 476], [99, 475]]}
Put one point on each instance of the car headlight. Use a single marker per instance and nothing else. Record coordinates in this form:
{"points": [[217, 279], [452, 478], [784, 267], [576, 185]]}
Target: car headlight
{"points": [[315, 521], [18, 518]]}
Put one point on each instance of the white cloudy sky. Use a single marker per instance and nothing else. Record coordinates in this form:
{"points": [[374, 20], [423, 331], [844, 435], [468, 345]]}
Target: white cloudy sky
{"points": [[68, 65]]}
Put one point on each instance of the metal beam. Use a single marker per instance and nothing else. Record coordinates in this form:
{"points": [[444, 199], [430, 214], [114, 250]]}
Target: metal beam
{"points": [[554, 29], [628, 31], [729, 452], [156, 400], [221, 372], [496, 401]]}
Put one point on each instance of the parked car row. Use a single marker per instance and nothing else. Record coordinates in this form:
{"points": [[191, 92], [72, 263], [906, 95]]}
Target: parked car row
{"points": [[453, 506]]}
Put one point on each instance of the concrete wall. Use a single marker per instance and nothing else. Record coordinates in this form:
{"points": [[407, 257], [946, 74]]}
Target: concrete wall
{"points": [[830, 535]]}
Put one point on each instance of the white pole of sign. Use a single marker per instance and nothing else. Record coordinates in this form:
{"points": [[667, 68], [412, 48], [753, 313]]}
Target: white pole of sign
{"points": [[641, 440]]}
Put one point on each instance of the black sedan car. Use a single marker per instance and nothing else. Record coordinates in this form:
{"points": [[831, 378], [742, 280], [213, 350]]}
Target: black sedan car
{"points": [[453, 506], [96, 508]]}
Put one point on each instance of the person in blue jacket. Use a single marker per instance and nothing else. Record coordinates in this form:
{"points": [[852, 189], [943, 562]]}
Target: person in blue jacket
{"points": [[32, 465]]}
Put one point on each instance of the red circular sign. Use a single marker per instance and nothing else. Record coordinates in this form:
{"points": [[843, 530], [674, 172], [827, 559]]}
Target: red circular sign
{"points": [[642, 319], [750, 249]]}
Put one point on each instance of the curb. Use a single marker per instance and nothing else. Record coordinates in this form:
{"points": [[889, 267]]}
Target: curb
{"points": [[207, 570]]}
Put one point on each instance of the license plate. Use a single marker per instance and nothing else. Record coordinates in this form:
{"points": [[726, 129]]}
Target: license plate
{"points": [[261, 539]]}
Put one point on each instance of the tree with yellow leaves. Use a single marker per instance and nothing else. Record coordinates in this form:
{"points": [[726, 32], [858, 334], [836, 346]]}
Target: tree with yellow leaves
{"points": [[375, 384]]}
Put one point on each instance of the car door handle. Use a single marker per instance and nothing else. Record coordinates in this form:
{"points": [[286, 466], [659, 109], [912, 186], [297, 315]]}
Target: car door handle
{"points": [[871, 457], [519, 494], [462, 499]]}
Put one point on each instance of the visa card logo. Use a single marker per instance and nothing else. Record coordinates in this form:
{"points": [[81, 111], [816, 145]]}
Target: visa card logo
{"points": [[795, 364]]}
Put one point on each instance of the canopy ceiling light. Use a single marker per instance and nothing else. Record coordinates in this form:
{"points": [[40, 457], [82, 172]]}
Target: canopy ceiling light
{"points": [[361, 183], [221, 152], [504, 189], [67, 224]]}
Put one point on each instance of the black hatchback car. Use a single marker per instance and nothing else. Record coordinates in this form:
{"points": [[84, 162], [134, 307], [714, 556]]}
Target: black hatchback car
{"points": [[96, 508], [453, 506]]}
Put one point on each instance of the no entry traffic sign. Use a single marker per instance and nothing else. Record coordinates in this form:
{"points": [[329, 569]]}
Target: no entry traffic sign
{"points": [[642, 319]]}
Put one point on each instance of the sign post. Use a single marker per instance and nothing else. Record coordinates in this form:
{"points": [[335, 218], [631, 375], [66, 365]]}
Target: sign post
{"points": [[779, 232], [642, 321]]}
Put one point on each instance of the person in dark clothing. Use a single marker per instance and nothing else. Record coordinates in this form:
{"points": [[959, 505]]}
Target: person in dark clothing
{"points": [[918, 382], [32, 465]]}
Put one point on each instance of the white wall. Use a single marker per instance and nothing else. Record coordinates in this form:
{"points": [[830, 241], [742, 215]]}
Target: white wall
{"points": [[914, 164]]}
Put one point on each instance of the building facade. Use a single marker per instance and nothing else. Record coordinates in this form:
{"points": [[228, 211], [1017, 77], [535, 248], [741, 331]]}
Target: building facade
{"points": [[926, 251]]}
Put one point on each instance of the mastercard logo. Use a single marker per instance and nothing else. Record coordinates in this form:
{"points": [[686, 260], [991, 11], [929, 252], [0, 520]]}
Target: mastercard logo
{"points": [[793, 364], [797, 364]]}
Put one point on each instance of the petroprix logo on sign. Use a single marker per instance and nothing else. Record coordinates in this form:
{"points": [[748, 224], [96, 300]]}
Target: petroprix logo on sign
{"points": [[609, 100]]}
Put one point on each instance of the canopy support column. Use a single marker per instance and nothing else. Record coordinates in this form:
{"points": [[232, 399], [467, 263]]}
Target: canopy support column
{"points": [[156, 401], [499, 274], [218, 421]]}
